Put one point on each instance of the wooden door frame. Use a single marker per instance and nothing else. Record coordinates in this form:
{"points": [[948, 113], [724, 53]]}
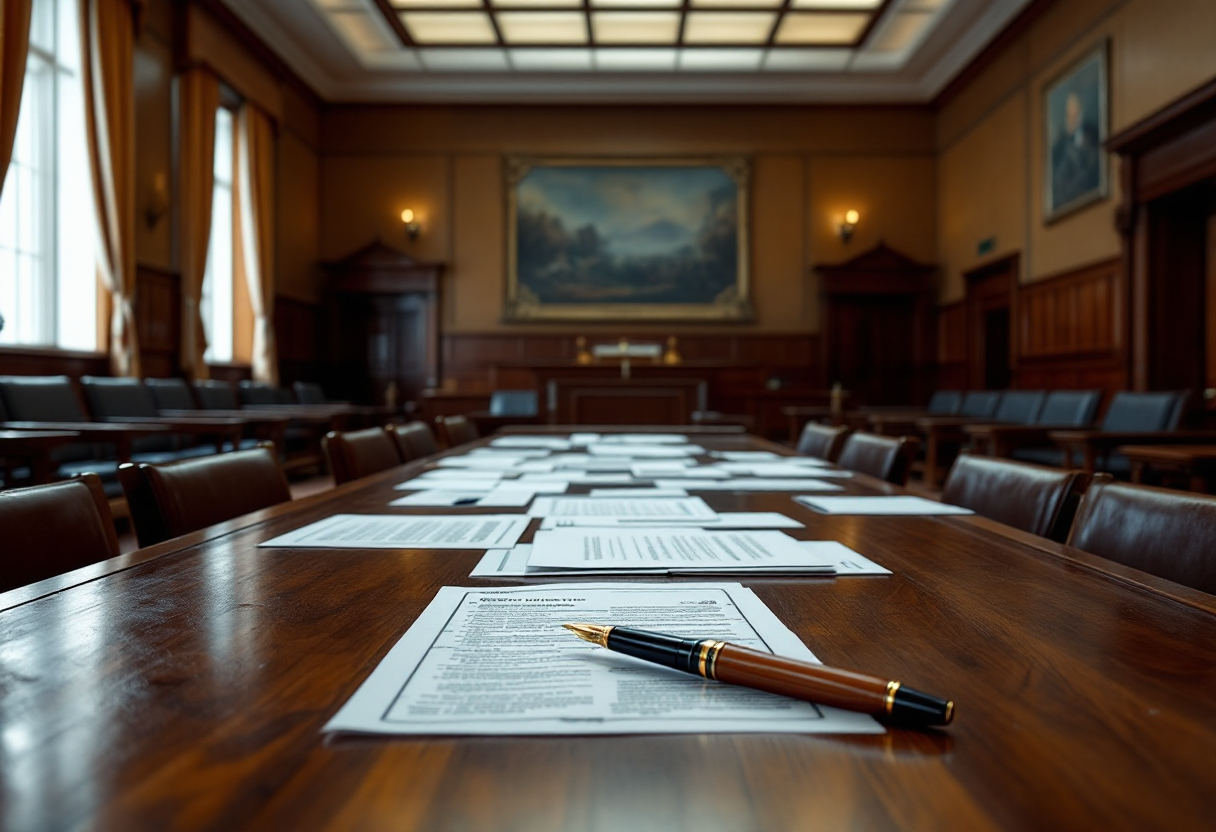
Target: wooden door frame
{"points": [[1009, 265]]}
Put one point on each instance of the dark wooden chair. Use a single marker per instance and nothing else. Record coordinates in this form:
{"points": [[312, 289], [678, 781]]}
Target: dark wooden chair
{"points": [[456, 430], [1032, 498], [51, 529], [359, 453], [414, 440], [888, 458], [821, 441], [1165, 533], [176, 498]]}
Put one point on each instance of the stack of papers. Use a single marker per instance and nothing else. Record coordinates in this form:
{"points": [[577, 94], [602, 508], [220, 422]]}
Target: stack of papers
{"points": [[775, 484], [632, 508], [724, 520], [407, 531], [497, 661]]}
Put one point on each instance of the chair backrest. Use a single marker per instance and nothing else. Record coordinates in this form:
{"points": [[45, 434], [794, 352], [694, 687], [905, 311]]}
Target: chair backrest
{"points": [[886, 457], [821, 441], [980, 403], [41, 399], [176, 498], [171, 393], [117, 398], [257, 392], [358, 453], [457, 430], [1142, 411], [51, 529], [513, 403], [1033, 498], [216, 395], [414, 440], [1165, 533], [309, 393], [1069, 408], [1020, 407], [945, 402]]}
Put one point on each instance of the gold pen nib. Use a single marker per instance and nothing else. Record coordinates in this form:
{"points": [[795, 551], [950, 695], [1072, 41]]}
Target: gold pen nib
{"points": [[594, 633]]}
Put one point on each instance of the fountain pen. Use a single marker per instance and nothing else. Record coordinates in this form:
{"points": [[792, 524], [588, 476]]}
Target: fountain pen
{"points": [[888, 700]]}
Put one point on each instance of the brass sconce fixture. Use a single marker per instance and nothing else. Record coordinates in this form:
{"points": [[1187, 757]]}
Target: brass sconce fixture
{"points": [[412, 226], [850, 222], [158, 200]]}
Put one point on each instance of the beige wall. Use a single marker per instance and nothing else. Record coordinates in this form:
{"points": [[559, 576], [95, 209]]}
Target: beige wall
{"points": [[990, 135], [808, 166]]}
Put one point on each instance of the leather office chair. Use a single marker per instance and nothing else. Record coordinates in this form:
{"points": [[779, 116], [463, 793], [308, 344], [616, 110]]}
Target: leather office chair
{"points": [[1032, 498], [176, 498], [945, 402], [821, 441], [258, 393], [309, 393], [457, 430], [1165, 533], [51, 529], [980, 404], [359, 453], [414, 440], [171, 393], [216, 395], [1019, 407], [888, 458]]}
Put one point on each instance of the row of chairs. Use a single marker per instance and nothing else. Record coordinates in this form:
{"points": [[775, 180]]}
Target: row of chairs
{"points": [[1165, 533]]}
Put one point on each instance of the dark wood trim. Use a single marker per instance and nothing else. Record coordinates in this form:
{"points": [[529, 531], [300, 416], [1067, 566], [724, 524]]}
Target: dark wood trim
{"points": [[1007, 36], [1177, 116], [978, 301]]}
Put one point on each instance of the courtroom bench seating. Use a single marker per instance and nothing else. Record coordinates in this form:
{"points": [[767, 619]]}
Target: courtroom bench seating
{"points": [[1033, 498], [47, 530]]}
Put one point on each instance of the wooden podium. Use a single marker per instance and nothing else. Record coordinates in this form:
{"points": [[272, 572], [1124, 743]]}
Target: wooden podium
{"points": [[617, 401]]}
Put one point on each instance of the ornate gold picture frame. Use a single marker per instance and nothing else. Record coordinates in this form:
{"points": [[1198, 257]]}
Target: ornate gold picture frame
{"points": [[628, 239]]}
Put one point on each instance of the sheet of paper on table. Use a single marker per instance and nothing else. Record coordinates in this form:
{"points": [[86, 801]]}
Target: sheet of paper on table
{"points": [[777, 470], [407, 531], [645, 451], [724, 520], [892, 506], [769, 484], [513, 563], [745, 456], [653, 470], [637, 492], [459, 474], [645, 439], [481, 462], [526, 453], [551, 443], [422, 484], [684, 508], [498, 662], [494, 498], [670, 550], [808, 469], [579, 477]]}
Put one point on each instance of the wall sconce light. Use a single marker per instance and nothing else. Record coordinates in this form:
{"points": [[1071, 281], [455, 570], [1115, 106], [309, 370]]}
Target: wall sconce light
{"points": [[158, 200], [850, 222], [412, 227]]}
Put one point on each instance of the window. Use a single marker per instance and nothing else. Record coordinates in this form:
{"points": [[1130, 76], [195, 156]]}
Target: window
{"points": [[48, 276], [216, 303]]}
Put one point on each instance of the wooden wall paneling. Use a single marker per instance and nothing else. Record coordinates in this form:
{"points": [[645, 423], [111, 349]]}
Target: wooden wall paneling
{"points": [[295, 332], [158, 320], [990, 327], [952, 346], [38, 361]]}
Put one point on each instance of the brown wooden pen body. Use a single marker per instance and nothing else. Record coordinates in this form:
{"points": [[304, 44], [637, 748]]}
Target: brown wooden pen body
{"points": [[737, 665]]}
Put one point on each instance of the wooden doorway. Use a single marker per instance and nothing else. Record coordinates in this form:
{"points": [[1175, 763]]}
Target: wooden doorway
{"points": [[989, 305]]}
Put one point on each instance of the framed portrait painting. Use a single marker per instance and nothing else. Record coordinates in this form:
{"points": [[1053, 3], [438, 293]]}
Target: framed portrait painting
{"points": [[1075, 116], [627, 239]]}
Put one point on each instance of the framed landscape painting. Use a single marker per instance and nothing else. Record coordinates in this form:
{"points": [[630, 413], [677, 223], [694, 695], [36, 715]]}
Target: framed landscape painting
{"points": [[1075, 162], [627, 239]]}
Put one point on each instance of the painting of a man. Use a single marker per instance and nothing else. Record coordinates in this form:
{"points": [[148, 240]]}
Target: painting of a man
{"points": [[1076, 127]]}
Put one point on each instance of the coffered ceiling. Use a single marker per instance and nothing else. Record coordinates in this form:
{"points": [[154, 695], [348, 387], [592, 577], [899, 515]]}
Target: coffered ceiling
{"points": [[627, 51]]}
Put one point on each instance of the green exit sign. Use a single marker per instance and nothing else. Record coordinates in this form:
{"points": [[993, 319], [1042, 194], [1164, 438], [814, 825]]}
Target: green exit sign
{"points": [[986, 246]]}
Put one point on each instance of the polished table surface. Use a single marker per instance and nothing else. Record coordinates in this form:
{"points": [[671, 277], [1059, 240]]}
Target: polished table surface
{"points": [[185, 686]]}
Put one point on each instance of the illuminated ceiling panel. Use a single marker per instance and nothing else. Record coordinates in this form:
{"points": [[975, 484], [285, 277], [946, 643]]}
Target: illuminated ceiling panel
{"points": [[821, 29], [543, 27], [634, 28], [714, 28], [449, 27]]}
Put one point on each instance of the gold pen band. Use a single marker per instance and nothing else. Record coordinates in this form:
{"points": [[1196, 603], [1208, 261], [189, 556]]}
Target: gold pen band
{"points": [[888, 701], [709, 658]]}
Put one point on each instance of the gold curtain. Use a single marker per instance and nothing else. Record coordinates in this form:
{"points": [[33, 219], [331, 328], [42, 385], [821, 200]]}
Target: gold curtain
{"points": [[108, 46], [255, 184], [14, 46], [199, 97]]}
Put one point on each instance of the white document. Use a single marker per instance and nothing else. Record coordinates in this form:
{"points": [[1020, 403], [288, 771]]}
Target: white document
{"points": [[501, 497], [497, 661], [645, 439], [407, 531], [534, 466], [745, 456], [667, 550], [583, 439], [579, 478], [551, 443], [645, 451], [638, 492], [460, 474], [513, 563], [423, 484], [636, 508], [724, 520], [900, 505], [771, 484], [481, 462], [526, 453], [653, 470], [798, 471]]}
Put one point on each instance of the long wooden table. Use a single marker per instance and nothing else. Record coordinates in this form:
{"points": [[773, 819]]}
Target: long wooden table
{"points": [[184, 686]]}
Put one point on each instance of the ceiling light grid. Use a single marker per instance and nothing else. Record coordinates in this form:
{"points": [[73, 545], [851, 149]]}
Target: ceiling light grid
{"points": [[632, 24]]}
